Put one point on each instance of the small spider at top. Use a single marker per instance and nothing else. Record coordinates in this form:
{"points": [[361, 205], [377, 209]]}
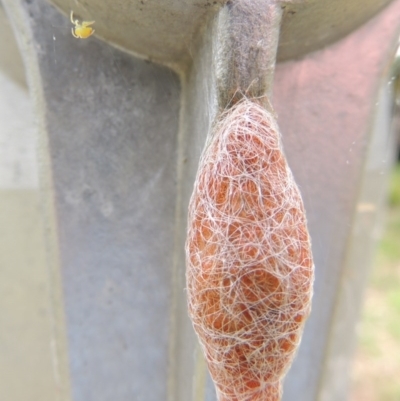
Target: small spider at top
{"points": [[81, 30]]}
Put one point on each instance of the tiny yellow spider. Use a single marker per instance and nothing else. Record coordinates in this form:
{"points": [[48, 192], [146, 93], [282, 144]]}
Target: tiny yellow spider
{"points": [[81, 30]]}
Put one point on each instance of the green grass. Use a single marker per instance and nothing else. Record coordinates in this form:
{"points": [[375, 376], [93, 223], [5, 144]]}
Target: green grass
{"points": [[394, 195]]}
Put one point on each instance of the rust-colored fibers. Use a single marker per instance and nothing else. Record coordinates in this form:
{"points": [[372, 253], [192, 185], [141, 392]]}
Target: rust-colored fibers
{"points": [[249, 262]]}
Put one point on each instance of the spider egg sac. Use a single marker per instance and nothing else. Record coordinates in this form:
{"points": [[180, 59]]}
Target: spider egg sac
{"points": [[249, 262]]}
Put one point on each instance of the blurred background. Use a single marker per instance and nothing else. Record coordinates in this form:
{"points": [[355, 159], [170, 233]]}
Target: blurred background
{"points": [[376, 368]]}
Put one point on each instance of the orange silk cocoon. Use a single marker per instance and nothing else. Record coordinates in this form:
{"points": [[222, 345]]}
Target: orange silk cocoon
{"points": [[249, 262]]}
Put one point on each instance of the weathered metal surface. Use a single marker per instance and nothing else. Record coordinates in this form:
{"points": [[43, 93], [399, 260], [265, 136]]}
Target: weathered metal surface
{"points": [[245, 55], [164, 30], [310, 25], [110, 125], [156, 30]]}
